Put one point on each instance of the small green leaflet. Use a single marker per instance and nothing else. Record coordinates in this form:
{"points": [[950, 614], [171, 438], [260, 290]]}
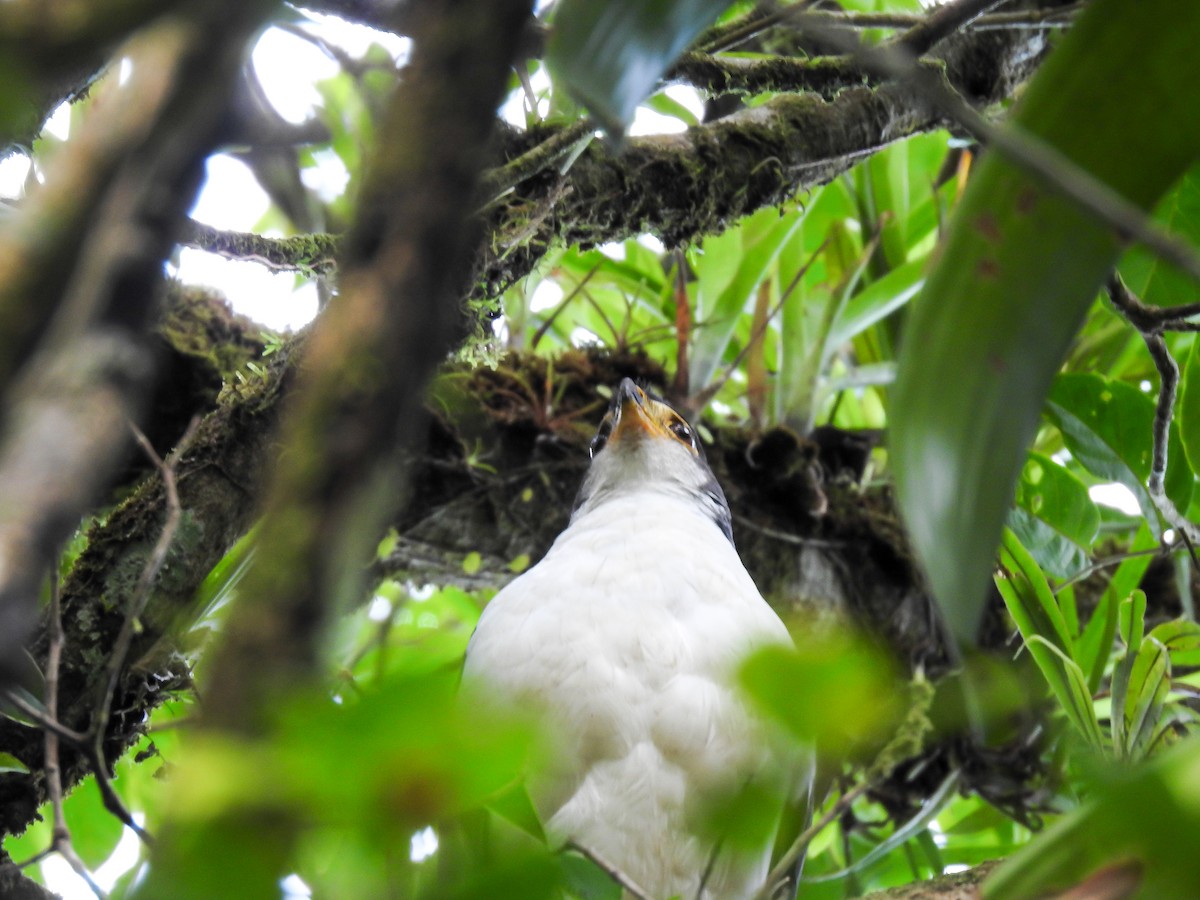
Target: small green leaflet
{"points": [[1108, 426], [1054, 518]]}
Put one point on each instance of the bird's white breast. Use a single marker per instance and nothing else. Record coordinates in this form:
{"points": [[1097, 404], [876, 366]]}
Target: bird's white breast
{"points": [[626, 636]]}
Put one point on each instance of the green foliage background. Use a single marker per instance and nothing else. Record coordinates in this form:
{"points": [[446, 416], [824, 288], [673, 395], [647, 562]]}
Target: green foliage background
{"points": [[796, 317]]}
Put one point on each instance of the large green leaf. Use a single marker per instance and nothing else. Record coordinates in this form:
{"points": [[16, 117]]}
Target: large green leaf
{"points": [[1055, 518], [1016, 274], [1108, 426], [1181, 637], [611, 53], [1145, 693]]}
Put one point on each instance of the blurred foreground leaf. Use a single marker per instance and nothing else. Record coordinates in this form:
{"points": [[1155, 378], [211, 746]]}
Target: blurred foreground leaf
{"points": [[838, 693], [1148, 815], [611, 53]]}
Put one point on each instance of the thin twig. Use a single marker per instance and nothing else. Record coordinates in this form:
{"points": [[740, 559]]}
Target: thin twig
{"points": [[724, 38], [728, 36], [137, 605], [545, 326], [708, 868], [43, 721], [1168, 379], [60, 841], [1142, 317], [942, 23], [788, 860], [627, 883], [1114, 560]]}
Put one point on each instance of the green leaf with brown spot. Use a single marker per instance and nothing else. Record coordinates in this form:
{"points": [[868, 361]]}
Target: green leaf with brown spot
{"points": [[1018, 269]]}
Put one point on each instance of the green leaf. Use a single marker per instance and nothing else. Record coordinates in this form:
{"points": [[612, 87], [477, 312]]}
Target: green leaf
{"points": [[1094, 646], [1070, 687], [1055, 518], [94, 830], [9, 763], [1181, 637], [1038, 612], [1188, 414], [1040, 621], [1149, 814], [1153, 280], [612, 53], [838, 693], [906, 832], [1132, 620], [586, 879], [666, 105], [1149, 683], [1108, 426], [1015, 276], [515, 805], [750, 252], [878, 300]]}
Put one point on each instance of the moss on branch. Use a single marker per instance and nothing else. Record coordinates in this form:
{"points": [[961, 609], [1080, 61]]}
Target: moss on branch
{"points": [[309, 254], [680, 187]]}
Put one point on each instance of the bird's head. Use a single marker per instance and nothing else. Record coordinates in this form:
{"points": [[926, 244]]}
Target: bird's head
{"points": [[643, 445]]}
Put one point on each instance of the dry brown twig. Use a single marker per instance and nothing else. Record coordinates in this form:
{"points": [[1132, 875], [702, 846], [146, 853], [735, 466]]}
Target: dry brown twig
{"points": [[137, 605], [60, 842], [91, 743], [630, 886]]}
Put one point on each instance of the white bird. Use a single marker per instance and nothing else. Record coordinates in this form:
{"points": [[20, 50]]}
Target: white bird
{"points": [[626, 640]]}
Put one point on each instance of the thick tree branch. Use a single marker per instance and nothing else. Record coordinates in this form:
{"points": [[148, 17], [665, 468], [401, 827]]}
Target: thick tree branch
{"points": [[1036, 157], [680, 187], [368, 361], [942, 22], [824, 75], [218, 480], [53, 50], [66, 424], [311, 254]]}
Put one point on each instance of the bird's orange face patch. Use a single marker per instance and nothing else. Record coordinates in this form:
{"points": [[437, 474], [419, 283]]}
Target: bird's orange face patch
{"points": [[636, 414], [644, 416]]}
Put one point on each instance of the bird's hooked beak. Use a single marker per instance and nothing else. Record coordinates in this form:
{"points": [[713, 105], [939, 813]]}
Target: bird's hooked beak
{"points": [[631, 414], [635, 415]]}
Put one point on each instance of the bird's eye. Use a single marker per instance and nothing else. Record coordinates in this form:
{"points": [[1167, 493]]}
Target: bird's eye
{"points": [[601, 437], [680, 429]]}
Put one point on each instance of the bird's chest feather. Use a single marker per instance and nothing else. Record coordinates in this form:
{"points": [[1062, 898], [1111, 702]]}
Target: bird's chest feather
{"points": [[628, 632]]}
